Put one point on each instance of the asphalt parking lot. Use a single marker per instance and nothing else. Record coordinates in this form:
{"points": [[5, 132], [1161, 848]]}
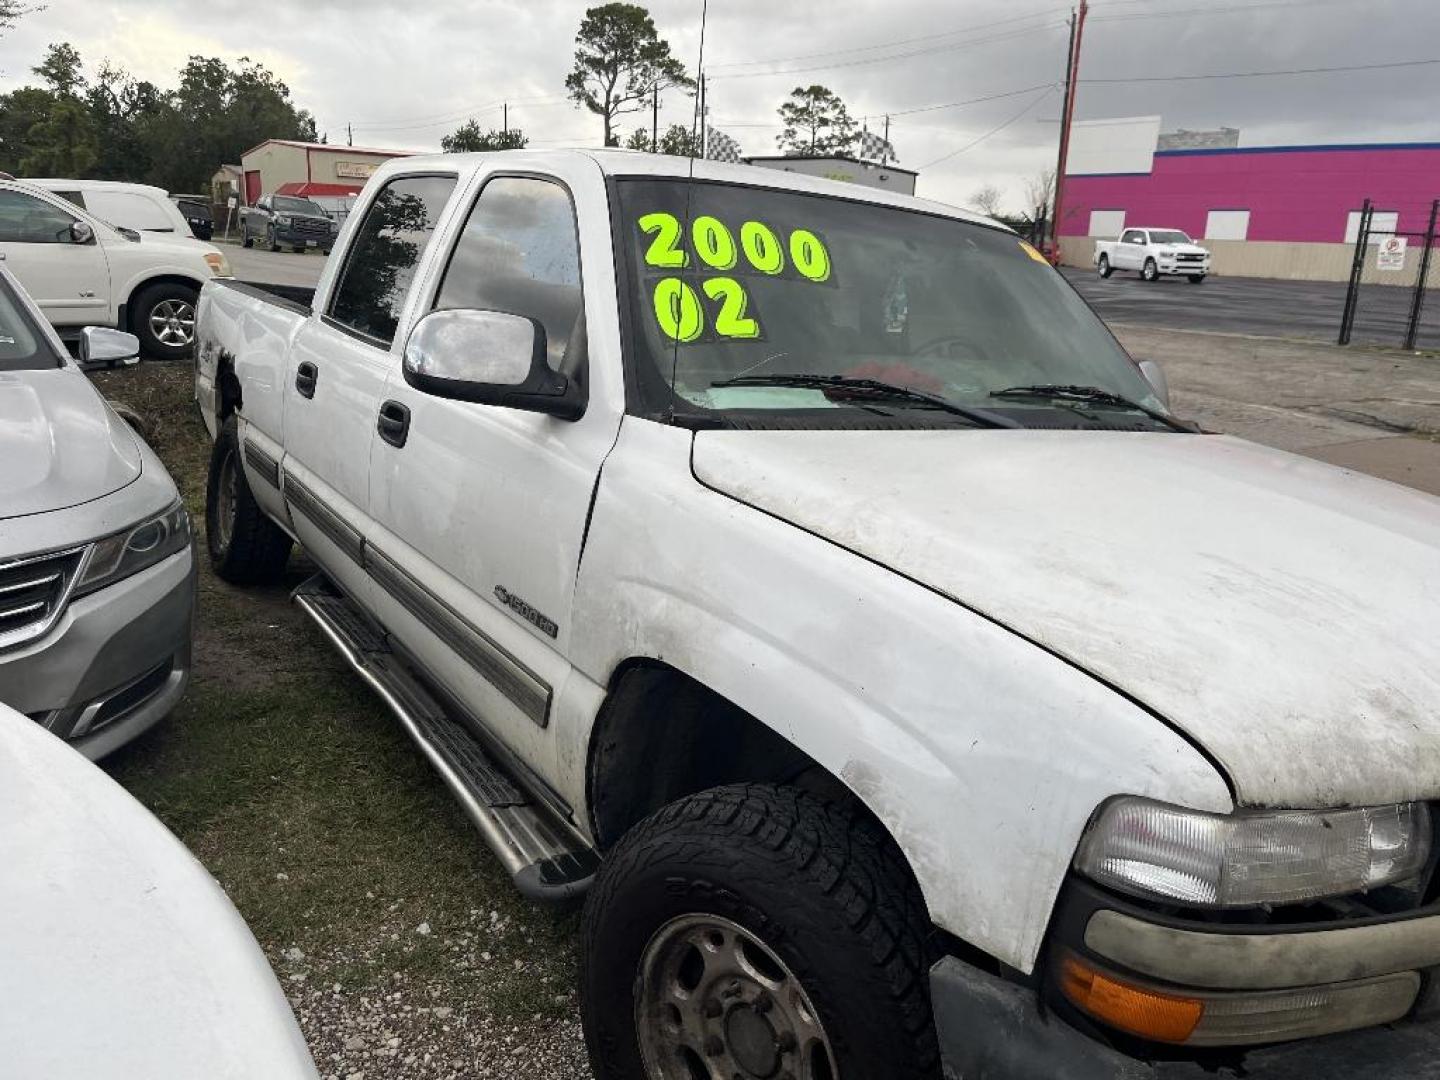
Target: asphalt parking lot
{"points": [[275, 267], [1307, 310]]}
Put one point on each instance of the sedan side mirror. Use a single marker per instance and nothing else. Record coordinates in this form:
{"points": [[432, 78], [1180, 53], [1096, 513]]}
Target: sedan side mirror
{"points": [[102, 346], [489, 357], [81, 232], [1155, 376]]}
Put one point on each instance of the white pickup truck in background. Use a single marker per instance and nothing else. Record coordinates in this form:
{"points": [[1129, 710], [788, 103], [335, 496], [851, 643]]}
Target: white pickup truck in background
{"points": [[804, 571], [1153, 253]]}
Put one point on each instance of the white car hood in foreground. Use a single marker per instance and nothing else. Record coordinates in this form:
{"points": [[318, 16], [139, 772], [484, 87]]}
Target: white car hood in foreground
{"points": [[60, 444], [1284, 614], [120, 957]]}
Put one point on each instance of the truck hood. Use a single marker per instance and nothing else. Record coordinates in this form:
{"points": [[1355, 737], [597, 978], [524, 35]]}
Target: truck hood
{"points": [[60, 443], [123, 958], [1282, 613], [1186, 249]]}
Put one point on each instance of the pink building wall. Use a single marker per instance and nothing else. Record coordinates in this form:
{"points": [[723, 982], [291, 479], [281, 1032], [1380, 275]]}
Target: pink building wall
{"points": [[1294, 194]]}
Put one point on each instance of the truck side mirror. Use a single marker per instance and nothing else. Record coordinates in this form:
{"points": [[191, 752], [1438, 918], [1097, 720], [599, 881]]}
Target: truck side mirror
{"points": [[100, 346], [489, 357], [1155, 376], [81, 232]]}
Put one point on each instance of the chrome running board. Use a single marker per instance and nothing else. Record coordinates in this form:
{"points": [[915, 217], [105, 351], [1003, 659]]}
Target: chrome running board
{"points": [[546, 856]]}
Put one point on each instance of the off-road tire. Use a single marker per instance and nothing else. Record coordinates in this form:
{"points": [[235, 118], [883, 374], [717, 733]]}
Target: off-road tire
{"points": [[144, 304], [1105, 268], [258, 549], [1150, 271], [1195, 279], [816, 881]]}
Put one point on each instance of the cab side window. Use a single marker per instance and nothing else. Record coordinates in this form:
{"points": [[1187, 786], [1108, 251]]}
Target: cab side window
{"points": [[520, 253], [384, 252], [1134, 236], [24, 219]]}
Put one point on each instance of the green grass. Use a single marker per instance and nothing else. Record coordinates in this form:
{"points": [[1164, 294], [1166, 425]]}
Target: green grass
{"points": [[298, 791]]}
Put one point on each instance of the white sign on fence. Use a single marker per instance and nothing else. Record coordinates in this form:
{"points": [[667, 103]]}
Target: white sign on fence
{"points": [[230, 202], [1390, 255]]}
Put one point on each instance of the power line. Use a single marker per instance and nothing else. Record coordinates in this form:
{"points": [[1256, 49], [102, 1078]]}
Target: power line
{"points": [[993, 131], [952, 47], [1266, 74], [970, 101], [890, 44], [1263, 6]]}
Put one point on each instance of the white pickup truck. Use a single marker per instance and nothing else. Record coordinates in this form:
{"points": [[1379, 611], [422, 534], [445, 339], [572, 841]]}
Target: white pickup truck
{"points": [[806, 573], [1153, 253]]}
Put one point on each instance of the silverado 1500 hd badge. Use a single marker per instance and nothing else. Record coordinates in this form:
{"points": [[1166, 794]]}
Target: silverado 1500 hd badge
{"points": [[543, 623]]}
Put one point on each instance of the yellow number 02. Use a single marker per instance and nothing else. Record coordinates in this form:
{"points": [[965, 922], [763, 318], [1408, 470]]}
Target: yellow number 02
{"points": [[665, 249], [678, 310], [731, 322]]}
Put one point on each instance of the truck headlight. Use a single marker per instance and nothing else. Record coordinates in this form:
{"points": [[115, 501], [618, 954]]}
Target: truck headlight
{"points": [[132, 550], [281, 219], [1203, 860]]}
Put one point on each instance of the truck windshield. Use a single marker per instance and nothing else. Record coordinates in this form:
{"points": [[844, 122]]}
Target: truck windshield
{"points": [[772, 288], [1168, 236], [288, 204]]}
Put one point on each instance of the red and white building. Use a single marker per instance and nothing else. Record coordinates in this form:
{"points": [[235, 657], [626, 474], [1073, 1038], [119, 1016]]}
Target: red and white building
{"points": [[322, 171]]}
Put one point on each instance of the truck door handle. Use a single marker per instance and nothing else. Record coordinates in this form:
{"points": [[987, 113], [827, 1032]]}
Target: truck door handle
{"points": [[306, 376], [394, 423]]}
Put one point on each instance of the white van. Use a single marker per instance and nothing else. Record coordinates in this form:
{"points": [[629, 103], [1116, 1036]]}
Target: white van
{"points": [[141, 207]]}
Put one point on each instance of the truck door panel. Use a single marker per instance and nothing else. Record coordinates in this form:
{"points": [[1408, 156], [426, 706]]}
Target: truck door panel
{"points": [[337, 371], [486, 504]]}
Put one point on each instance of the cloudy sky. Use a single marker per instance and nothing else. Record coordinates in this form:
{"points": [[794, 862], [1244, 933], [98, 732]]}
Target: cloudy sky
{"points": [[404, 74]]}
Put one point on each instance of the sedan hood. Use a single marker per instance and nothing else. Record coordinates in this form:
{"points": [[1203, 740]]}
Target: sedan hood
{"points": [[1284, 614], [123, 958], [60, 443]]}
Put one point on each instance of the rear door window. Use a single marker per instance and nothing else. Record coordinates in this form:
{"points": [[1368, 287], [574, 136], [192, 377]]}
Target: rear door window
{"points": [[384, 252]]}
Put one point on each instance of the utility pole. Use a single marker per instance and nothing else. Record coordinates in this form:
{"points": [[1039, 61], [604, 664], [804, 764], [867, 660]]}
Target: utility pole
{"points": [[885, 150], [655, 120], [704, 117], [349, 137], [1072, 81], [505, 117]]}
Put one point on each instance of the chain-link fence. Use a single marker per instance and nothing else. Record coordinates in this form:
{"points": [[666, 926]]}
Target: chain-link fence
{"points": [[1394, 292]]}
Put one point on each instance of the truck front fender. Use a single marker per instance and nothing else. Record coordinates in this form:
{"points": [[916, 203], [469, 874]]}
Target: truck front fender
{"points": [[981, 754]]}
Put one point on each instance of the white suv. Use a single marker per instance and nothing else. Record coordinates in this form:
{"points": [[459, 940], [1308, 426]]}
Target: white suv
{"points": [[84, 272]]}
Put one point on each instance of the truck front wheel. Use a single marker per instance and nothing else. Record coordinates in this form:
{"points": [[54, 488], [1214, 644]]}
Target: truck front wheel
{"points": [[1150, 272], [245, 546], [756, 930]]}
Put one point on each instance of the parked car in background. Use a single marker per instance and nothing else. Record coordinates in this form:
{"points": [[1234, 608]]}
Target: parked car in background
{"points": [[805, 572], [123, 958], [82, 271], [198, 214], [1153, 253], [97, 571], [142, 207], [278, 221]]}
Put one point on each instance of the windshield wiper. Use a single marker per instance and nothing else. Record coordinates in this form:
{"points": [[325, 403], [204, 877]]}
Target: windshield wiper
{"points": [[875, 388], [1093, 394]]}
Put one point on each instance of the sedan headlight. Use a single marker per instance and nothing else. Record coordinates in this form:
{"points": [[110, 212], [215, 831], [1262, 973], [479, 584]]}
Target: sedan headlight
{"points": [[133, 549], [1205, 860], [281, 219]]}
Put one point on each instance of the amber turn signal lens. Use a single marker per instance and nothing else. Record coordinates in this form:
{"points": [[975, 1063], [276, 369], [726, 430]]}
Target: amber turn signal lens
{"points": [[1140, 1011]]}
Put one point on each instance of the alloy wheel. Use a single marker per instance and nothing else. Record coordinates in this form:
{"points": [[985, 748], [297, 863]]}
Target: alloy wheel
{"points": [[172, 322]]}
